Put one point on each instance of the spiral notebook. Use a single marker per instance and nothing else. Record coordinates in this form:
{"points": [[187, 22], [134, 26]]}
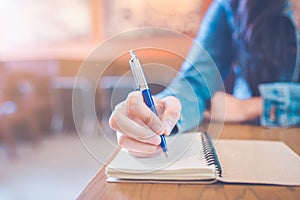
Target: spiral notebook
{"points": [[194, 159]]}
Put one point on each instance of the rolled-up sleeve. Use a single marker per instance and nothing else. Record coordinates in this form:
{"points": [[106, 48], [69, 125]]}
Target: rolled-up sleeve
{"points": [[204, 68]]}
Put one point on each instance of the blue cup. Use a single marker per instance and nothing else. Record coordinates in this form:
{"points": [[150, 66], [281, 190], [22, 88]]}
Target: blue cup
{"points": [[281, 104]]}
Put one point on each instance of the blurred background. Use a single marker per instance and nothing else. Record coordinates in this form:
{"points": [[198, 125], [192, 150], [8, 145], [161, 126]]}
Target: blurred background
{"points": [[42, 46]]}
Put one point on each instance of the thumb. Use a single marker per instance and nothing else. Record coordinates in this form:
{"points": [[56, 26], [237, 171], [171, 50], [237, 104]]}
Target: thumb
{"points": [[171, 113]]}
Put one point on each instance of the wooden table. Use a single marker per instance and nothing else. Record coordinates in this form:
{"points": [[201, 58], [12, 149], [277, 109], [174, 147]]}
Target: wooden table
{"points": [[98, 188]]}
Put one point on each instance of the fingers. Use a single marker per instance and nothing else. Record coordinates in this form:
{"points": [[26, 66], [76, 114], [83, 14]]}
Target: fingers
{"points": [[137, 148], [137, 109], [122, 123], [140, 127], [171, 114]]}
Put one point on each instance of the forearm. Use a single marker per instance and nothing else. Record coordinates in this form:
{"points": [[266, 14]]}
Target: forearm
{"points": [[201, 74]]}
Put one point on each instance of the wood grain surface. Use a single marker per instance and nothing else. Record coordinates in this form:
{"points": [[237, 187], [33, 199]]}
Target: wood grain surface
{"points": [[98, 188]]}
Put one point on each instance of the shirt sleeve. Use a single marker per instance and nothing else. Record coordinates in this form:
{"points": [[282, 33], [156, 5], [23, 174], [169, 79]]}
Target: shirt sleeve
{"points": [[288, 11], [207, 62]]}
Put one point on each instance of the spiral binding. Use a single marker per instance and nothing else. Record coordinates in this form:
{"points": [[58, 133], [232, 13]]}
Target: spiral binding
{"points": [[210, 153]]}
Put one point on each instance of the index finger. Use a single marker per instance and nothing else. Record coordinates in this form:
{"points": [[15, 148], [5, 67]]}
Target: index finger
{"points": [[137, 109]]}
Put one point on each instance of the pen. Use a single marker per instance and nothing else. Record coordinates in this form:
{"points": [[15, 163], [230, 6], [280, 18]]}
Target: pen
{"points": [[142, 85]]}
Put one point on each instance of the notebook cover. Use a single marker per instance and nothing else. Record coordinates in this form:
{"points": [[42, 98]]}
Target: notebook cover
{"points": [[251, 162], [258, 162]]}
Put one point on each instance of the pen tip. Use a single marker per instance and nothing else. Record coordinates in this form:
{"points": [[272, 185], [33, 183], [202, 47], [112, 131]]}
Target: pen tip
{"points": [[166, 154]]}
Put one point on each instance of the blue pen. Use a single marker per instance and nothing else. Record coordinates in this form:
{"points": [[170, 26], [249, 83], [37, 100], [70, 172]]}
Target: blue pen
{"points": [[141, 83]]}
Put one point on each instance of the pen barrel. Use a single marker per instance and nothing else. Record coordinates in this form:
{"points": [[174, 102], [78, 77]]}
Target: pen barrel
{"points": [[141, 83], [150, 103], [163, 143], [148, 100]]}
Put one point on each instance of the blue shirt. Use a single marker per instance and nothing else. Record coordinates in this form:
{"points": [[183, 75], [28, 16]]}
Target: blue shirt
{"points": [[208, 63]]}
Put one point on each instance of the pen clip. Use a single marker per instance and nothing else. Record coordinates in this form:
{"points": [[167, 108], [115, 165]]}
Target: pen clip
{"points": [[137, 72]]}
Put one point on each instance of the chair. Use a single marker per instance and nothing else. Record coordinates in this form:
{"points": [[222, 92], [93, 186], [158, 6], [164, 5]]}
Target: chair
{"points": [[29, 114]]}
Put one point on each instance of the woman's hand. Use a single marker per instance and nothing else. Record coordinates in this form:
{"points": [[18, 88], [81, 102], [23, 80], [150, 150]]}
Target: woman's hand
{"points": [[225, 107], [139, 128]]}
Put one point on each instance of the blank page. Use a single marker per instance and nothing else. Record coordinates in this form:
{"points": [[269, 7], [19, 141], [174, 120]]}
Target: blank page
{"points": [[262, 162], [186, 161]]}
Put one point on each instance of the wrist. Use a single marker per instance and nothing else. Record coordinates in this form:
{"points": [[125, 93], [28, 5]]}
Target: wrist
{"points": [[253, 108]]}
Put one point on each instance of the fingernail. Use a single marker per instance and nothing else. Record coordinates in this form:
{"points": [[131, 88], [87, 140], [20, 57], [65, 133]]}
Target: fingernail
{"points": [[157, 128], [168, 126]]}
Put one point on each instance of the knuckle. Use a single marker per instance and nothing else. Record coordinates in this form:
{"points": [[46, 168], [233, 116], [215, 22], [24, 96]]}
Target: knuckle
{"points": [[148, 119], [132, 102], [159, 107], [121, 141], [112, 122]]}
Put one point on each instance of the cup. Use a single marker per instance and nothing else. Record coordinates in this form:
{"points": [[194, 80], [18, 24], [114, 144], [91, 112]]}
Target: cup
{"points": [[281, 104]]}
